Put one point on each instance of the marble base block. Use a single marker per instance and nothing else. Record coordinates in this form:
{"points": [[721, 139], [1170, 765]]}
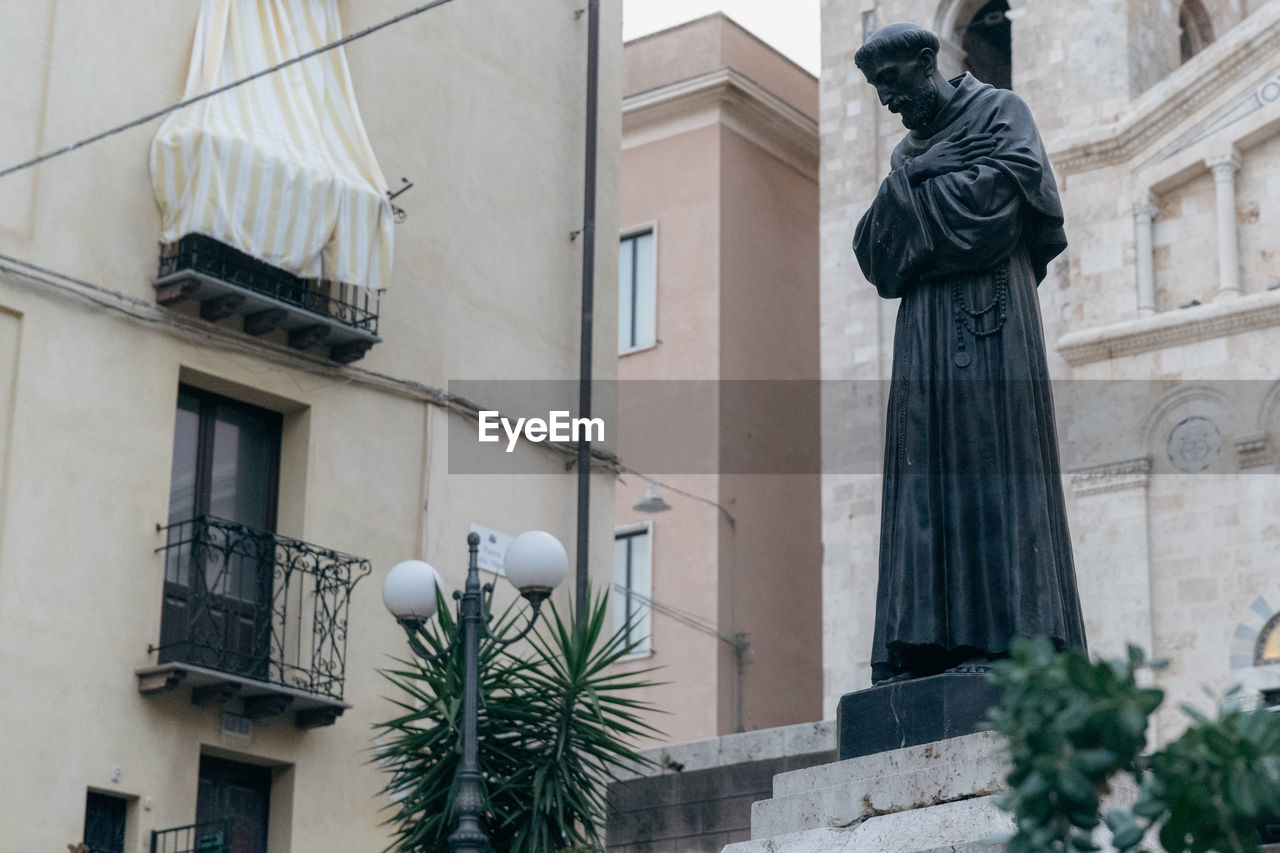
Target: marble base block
{"points": [[908, 713]]}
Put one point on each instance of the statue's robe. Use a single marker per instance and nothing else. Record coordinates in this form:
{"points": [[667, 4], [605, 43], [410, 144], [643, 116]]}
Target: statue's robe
{"points": [[974, 547]]}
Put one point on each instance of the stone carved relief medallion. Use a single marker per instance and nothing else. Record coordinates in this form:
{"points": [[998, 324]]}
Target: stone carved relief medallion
{"points": [[1194, 444]]}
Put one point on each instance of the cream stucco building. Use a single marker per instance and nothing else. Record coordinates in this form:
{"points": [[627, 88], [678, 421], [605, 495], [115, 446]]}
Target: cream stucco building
{"points": [[165, 668], [1162, 120]]}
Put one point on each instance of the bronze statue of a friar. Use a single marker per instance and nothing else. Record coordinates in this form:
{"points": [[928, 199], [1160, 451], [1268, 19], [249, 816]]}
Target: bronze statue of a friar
{"points": [[974, 546]]}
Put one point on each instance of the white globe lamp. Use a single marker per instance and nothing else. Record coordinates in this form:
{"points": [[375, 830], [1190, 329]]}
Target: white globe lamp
{"points": [[409, 591], [535, 564]]}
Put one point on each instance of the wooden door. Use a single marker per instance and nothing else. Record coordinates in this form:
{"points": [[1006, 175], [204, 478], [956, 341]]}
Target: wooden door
{"points": [[240, 794], [217, 596]]}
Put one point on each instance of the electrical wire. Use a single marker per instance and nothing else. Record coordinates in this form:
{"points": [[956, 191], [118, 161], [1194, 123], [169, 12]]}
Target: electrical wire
{"points": [[149, 117], [690, 620], [88, 285], [146, 312], [733, 523]]}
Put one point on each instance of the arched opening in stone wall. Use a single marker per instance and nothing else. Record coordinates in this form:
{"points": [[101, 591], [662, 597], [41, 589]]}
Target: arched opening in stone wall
{"points": [[1266, 650], [988, 44], [1195, 26]]}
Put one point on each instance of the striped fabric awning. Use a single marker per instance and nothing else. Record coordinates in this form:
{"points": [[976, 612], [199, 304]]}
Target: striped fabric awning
{"points": [[279, 168]]}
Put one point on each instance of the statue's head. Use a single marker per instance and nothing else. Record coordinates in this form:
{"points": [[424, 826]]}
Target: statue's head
{"points": [[901, 61]]}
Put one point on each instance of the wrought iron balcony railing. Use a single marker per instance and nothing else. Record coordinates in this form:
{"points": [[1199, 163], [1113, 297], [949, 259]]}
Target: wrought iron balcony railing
{"points": [[257, 605], [209, 837], [226, 281]]}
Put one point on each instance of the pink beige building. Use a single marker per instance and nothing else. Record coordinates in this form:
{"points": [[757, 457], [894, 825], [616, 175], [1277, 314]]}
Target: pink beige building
{"points": [[718, 353]]}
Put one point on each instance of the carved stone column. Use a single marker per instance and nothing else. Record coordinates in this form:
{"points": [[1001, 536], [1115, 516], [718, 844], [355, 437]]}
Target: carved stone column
{"points": [[1224, 168], [1144, 213]]}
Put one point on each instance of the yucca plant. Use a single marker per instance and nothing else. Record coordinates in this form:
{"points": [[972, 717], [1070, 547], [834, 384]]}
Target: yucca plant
{"points": [[555, 726]]}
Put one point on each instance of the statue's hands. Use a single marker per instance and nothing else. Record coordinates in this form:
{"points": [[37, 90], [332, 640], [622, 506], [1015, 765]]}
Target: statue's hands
{"points": [[953, 154]]}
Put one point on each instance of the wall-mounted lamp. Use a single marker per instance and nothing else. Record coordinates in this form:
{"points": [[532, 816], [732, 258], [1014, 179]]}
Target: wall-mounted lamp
{"points": [[652, 501]]}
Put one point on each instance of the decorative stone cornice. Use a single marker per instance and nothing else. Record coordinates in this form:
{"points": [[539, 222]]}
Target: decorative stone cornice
{"points": [[1171, 328], [742, 104], [1238, 111], [1224, 65], [1111, 477], [1253, 451]]}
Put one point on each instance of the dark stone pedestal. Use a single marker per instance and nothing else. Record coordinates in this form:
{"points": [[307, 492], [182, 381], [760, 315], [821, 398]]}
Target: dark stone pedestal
{"points": [[909, 713]]}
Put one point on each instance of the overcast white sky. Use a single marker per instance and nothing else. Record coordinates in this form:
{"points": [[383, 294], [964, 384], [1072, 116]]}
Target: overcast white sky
{"points": [[790, 26]]}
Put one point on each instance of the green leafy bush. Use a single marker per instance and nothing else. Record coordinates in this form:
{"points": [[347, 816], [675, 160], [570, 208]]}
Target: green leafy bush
{"points": [[555, 725], [1216, 783], [1072, 725]]}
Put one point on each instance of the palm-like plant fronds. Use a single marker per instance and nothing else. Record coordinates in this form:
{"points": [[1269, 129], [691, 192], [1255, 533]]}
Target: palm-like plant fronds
{"points": [[555, 726]]}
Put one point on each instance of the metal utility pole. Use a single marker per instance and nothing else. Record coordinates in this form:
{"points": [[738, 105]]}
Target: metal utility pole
{"points": [[588, 306]]}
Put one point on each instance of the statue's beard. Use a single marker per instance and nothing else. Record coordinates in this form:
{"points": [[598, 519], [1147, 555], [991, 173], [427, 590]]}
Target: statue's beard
{"points": [[919, 108]]}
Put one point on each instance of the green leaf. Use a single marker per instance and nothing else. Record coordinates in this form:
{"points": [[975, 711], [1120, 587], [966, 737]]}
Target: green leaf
{"points": [[1172, 836], [1129, 836], [1083, 842], [1195, 714], [1075, 788], [1240, 792], [1149, 699], [1151, 809], [1093, 761], [1036, 785], [1019, 843]]}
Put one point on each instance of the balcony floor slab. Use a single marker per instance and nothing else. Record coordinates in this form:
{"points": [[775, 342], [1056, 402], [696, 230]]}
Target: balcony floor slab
{"points": [[310, 709]]}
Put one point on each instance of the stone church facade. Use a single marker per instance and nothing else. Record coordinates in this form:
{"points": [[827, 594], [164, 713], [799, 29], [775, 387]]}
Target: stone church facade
{"points": [[1162, 318]]}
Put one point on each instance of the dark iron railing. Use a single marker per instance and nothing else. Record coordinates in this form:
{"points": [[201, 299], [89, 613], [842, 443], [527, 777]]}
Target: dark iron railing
{"points": [[210, 837], [257, 604], [351, 306]]}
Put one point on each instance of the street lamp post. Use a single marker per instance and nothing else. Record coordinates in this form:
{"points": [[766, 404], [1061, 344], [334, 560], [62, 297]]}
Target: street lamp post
{"points": [[535, 563]]}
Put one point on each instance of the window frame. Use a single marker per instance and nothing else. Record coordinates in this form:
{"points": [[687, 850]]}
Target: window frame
{"points": [[645, 228], [118, 802], [207, 416], [644, 647], [238, 593]]}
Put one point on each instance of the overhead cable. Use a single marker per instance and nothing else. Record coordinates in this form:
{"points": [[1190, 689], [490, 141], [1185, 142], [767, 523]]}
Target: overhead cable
{"points": [[67, 149], [698, 623], [143, 311]]}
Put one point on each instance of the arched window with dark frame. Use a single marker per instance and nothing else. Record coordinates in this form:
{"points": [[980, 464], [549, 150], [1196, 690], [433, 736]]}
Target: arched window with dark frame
{"points": [[1266, 651], [988, 45], [1195, 27]]}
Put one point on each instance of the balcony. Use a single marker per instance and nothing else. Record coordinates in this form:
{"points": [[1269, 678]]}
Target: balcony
{"points": [[255, 618], [210, 837], [305, 313]]}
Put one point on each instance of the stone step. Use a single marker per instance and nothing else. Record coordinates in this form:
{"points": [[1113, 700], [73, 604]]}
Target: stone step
{"points": [[841, 794], [932, 798], [966, 826], [895, 761]]}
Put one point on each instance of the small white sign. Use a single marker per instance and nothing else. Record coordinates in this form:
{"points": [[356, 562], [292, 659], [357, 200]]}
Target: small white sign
{"points": [[493, 547]]}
